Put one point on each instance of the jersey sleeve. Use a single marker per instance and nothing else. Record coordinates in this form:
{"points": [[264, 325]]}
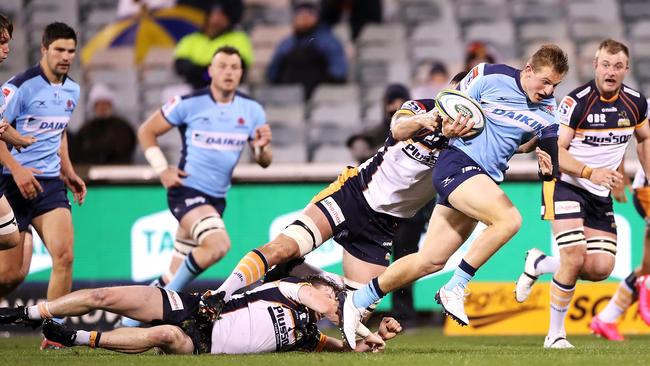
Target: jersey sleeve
{"points": [[13, 102], [568, 113], [259, 118], [413, 107], [175, 111], [474, 82], [290, 289]]}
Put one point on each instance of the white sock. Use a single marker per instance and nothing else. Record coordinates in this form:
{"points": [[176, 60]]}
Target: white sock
{"points": [[561, 297], [83, 338], [33, 313], [622, 299], [549, 264]]}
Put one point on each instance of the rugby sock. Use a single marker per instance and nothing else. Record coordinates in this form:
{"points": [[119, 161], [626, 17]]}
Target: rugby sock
{"points": [[186, 272], [561, 296], [463, 274], [546, 264], [39, 311], [249, 270], [85, 338], [368, 294], [624, 296]]}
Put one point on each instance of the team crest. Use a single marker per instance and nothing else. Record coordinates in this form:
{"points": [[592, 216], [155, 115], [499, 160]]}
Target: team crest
{"points": [[413, 106], [623, 121], [70, 105]]}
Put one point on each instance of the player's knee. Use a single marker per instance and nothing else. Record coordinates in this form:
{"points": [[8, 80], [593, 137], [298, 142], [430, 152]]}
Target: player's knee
{"points": [[573, 258], [510, 223], [598, 267], [10, 280], [166, 335], [305, 234], [63, 258]]}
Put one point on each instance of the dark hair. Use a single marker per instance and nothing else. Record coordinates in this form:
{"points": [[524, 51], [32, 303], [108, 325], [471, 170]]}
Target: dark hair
{"points": [[552, 56], [324, 281], [5, 23], [457, 78], [55, 31], [230, 50], [358, 136]]}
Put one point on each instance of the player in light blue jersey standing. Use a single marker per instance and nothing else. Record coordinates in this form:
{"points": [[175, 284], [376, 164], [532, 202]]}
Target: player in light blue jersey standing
{"points": [[519, 105], [40, 102], [216, 124]]}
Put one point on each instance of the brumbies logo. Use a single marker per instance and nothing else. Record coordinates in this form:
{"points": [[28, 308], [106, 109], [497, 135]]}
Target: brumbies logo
{"points": [[623, 121]]}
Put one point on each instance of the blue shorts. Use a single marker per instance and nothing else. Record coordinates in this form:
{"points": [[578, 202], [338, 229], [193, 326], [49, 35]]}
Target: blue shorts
{"points": [[183, 199], [452, 169], [571, 202], [361, 231], [54, 196]]}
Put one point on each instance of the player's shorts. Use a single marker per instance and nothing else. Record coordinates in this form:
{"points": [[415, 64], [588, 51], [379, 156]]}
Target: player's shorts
{"points": [[571, 202], [361, 231], [182, 310], [54, 196], [183, 199], [452, 169], [641, 200]]}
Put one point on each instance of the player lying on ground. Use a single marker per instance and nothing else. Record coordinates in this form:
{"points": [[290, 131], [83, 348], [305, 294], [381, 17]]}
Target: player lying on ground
{"points": [[278, 316]]}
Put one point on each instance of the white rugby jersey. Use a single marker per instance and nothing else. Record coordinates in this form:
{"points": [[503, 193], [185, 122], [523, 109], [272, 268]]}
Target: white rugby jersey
{"points": [[397, 180], [602, 128], [269, 318]]}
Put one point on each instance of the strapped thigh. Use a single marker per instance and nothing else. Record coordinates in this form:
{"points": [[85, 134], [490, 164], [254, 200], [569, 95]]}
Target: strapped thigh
{"points": [[205, 226], [601, 244], [305, 233], [570, 238]]}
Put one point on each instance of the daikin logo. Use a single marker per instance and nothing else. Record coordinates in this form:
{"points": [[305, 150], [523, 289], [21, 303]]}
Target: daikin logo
{"points": [[152, 244]]}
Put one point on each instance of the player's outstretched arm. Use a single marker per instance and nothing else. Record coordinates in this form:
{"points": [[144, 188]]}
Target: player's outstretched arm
{"points": [[405, 125], [12, 137], [156, 125]]}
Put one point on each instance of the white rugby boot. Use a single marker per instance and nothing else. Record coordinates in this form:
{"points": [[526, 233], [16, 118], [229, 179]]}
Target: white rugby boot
{"points": [[453, 303], [528, 278], [350, 319], [559, 342]]}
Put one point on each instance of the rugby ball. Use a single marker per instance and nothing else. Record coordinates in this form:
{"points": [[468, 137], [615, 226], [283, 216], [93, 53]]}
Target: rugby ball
{"points": [[453, 103]]}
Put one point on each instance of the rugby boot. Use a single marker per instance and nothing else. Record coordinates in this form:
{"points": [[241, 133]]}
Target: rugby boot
{"points": [[57, 335], [18, 315], [608, 331], [559, 342], [350, 318], [453, 303], [528, 278]]}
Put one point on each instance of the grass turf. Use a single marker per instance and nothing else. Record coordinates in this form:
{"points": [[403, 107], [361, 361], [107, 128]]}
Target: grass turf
{"points": [[424, 347]]}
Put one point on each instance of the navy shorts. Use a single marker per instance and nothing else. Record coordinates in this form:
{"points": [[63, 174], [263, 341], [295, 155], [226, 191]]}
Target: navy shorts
{"points": [[183, 199], [571, 202], [362, 232], [54, 196], [452, 169]]}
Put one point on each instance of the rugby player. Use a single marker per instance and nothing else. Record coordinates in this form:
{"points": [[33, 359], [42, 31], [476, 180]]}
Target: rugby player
{"points": [[634, 286], [275, 317], [216, 123], [597, 121], [9, 234], [40, 101], [518, 104]]}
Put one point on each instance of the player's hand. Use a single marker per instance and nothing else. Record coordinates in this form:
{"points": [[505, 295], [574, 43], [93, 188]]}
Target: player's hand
{"points": [[172, 177], [389, 328], [605, 177], [618, 192], [430, 120], [26, 182], [3, 127], [458, 128], [544, 162], [23, 142], [373, 342], [263, 136], [76, 186]]}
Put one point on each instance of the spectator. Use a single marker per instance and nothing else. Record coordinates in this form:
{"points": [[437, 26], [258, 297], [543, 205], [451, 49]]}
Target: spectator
{"points": [[436, 80], [194, 52], [106, 138], [394, 96], [311, 55], [359, 13], [360, 147], [476, 53]]}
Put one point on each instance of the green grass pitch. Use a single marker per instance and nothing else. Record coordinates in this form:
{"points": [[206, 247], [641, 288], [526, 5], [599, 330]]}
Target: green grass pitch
{"points": [[423, 347]]}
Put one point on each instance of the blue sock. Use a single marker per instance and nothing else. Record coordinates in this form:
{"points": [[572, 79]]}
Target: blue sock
{"points": [[186, 272], [367, 295], [60, 321], [463, 274]]}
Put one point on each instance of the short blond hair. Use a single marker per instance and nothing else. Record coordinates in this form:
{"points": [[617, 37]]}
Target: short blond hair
{"points": [[612, 47], [552, 56]]}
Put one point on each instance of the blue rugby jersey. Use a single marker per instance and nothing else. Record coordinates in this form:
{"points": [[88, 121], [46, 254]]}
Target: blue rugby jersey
{"points": [[510, 117], [214, 136], [38, 108]]}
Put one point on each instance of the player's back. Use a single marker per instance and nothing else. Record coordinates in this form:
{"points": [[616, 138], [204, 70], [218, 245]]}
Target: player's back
{"points": [[269, 318], [41, 109], [510, 117]]}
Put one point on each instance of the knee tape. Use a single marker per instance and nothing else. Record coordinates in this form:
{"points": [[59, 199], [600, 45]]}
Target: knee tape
{"points": [[8, 223], [601, 244], [206, 226], [305, 233], [184, 246], [570, 238]]}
